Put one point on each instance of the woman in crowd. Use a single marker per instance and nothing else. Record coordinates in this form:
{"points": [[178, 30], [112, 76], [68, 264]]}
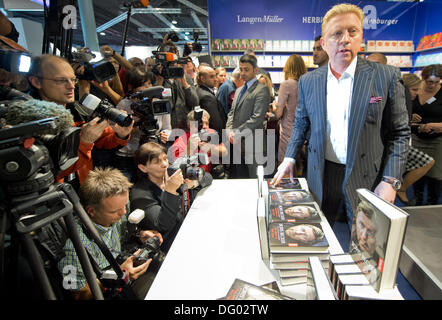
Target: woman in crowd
{"points": [[287, 101], [165, 199], [427, 117], [418, 163], [137, 80]]}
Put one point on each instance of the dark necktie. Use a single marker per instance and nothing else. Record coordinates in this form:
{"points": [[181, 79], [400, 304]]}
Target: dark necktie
{"points": [[244, 89]]}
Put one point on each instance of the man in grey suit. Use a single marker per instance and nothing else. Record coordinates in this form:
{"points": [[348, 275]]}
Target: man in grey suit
{"points": [[353, 114], [246, 118]]}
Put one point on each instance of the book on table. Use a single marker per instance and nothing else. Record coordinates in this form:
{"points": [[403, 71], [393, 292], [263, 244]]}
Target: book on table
{"points": [[376, 240], [297, 237], [298, 212], [242, 290], [262, 228], [319, 286], [289, 197], [287, 184], [294, 257]]}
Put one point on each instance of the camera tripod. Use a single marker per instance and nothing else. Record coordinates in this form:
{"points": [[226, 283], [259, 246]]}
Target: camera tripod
{"points": [[58, 205]]}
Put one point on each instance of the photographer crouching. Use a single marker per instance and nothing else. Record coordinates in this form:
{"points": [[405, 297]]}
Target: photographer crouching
{"points": [[165, 197], [53, 79], [105, 195]]}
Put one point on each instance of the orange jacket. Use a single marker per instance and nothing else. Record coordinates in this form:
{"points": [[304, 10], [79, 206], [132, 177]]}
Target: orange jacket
{"points": [[84, 164]]}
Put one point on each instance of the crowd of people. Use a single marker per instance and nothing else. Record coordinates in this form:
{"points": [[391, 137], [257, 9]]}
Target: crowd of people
{"points": [[119, 169]]}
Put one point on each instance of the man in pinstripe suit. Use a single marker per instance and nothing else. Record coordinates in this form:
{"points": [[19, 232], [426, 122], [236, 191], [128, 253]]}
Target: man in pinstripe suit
{"points": [[353, 114]]}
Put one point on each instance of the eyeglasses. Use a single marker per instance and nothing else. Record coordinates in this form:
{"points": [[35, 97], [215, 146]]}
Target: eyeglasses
{"points": [[429, 82], [63, 82]]}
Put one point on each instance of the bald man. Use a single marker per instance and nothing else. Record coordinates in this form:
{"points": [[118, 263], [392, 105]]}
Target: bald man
{"points": [[377, 57], [206, 80]]}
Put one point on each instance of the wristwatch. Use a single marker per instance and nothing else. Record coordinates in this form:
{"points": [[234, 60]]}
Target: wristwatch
{"points": [[395, 183]]}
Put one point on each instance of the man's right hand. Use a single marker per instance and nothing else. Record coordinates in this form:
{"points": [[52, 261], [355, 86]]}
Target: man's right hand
{"points": [[286, 167], [91, 131], [135, 272]]}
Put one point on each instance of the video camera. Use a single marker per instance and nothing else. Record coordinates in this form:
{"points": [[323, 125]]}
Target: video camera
{"points": [[163, 62], [28, 162], [100, 71], [145, 106], [15, 61], [105, 110]]}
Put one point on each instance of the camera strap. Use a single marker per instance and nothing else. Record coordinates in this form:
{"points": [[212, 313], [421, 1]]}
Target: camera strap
{"points": [[185, 199]]}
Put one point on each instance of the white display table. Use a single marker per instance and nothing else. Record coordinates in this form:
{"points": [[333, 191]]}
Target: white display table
{"points": [[218, 242]]}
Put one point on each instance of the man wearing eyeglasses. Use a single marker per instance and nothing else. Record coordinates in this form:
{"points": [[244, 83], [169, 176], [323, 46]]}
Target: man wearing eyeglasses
{"points": [[53, 79]]}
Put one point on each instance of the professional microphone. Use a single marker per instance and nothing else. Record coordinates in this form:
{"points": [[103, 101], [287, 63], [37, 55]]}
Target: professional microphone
{"points": [[21, 111]]}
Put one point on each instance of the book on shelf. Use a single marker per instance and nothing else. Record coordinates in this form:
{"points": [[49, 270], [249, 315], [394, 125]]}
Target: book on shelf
{"points": [[297, 237], [289, 197], [244, 45], [344, 280], [319, 286], [377, 236], [294, 257], [227, 44], [304, 212], [262, 228], [236, 44], [242, 290], [217, 44], [287, 184]]}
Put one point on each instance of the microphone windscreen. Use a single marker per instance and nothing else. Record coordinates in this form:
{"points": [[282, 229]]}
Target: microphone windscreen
{"points": [[136, 216], [30, 110]]}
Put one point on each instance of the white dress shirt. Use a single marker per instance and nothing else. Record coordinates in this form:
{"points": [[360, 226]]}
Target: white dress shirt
{"points": [[339, 95]]}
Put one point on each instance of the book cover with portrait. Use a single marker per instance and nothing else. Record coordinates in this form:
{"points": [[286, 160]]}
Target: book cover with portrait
{"points": [[377, 236], [298, 212], [287, 184], [297, 237], [242, 290], [289, 197]]}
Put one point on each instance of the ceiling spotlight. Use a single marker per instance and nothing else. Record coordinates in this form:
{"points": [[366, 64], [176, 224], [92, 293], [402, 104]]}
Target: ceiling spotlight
{"points": [[102, 34], [174, 22]]}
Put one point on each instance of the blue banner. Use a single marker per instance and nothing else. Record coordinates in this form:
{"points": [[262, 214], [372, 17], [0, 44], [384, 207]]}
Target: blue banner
{"points": [[302, 20]]}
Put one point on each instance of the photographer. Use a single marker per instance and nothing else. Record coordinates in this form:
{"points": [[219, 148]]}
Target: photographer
{"points": [[184, 96], [104, 195], [53, 79], [137, 80], [165, 204], [195, 141]]}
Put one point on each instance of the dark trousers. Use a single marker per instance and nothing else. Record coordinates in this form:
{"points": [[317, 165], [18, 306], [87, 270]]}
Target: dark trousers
{"points": [[333, 201], [434, 188]]}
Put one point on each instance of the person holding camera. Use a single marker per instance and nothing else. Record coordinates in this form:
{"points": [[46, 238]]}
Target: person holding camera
{"points": [[104, 195], [137, 80], [53, 79], [202, 140], [164, 198]]}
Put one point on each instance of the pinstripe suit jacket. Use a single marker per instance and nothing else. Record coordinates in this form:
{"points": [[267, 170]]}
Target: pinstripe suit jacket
{"points": [[378, 132]]}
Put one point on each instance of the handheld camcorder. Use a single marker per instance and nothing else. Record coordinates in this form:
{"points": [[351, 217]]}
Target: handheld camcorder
{"points": [[163, 65], [145, 106], [99, 71], [105, 110]]}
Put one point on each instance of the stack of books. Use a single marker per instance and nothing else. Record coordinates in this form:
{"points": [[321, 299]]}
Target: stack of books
{"points": [[243, 290], [295, 231], [369, 270]]}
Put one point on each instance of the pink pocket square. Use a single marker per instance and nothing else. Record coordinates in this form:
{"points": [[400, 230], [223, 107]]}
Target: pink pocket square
{"points": [[375, 99]]}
